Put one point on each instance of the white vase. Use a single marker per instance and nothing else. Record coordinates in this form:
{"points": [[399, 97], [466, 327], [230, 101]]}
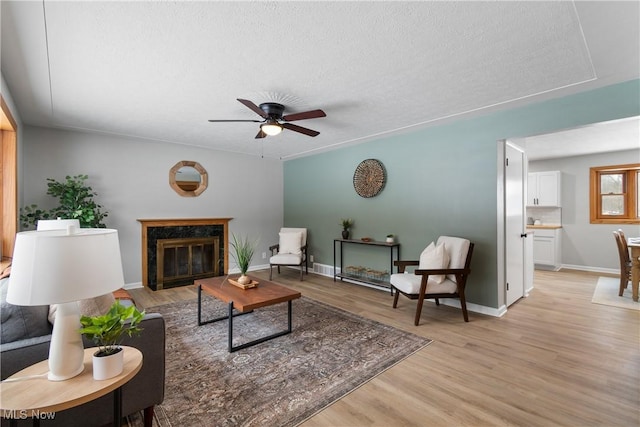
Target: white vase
{"points": [[105, 367], [389, 239]]}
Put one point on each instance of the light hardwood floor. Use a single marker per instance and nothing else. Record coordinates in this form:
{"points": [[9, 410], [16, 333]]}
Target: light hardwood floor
{"points": [[554, 358]]}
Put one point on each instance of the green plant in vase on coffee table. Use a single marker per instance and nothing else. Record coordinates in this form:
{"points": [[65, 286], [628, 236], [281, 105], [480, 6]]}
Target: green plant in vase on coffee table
{"points": [[243, 250]]}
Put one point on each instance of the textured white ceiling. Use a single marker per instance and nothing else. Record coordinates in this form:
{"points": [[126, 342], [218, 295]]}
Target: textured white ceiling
{"points": [[160, 70], [614, 135]]}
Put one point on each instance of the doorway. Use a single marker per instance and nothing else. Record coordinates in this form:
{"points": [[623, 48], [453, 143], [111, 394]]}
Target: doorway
{"points": [[515, 235]]}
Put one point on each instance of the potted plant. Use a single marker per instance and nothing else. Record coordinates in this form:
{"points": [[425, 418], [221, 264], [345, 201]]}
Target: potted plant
{"points": [[107, 332], [390, 238], [75, 202], [243, 250], [346, 225]]}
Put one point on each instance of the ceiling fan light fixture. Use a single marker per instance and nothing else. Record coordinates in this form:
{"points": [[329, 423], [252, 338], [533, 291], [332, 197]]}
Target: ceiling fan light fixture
{"points": [[271, 128]]}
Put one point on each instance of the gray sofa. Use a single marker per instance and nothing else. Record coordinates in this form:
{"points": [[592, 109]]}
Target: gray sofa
{"points": [[142, 393]]}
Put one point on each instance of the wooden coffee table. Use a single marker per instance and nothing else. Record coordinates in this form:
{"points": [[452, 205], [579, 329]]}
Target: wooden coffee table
{"points": [[245, 301]]}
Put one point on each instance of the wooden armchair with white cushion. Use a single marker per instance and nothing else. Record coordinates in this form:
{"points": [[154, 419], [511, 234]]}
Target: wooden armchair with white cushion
{"points": [[441, 272], [290, 251]]}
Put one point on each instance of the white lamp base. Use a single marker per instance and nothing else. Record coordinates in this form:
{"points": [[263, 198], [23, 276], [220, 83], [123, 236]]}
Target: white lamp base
{"points": [[66, 352]]}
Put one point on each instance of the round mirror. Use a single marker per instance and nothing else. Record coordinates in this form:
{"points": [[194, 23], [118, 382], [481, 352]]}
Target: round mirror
{"points": [[188, 179]]}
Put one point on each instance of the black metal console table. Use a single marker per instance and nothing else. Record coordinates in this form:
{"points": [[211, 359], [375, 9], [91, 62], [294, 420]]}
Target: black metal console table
{"points": [[357, 278]]}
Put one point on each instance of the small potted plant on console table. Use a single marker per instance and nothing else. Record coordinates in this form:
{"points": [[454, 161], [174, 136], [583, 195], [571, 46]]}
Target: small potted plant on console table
{"points": [[107, 332], [346, 225]]}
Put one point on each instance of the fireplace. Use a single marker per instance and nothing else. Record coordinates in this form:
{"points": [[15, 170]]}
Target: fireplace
{"points": [[175, 252]]}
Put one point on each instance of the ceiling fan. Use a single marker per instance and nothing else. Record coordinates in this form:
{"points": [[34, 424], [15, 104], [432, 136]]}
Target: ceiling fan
{"points": [[274, 120]]}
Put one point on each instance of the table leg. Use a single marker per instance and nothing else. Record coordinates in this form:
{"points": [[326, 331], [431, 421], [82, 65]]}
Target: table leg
{"points": [[263, 339], [635, 271], [117, 407], [217, 319]]}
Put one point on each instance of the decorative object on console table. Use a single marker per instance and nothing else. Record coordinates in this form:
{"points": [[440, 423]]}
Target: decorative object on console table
{"points": [[243, 251], [366, 275], [106, 332], [390, 238], [62, 267], [346, 225]]}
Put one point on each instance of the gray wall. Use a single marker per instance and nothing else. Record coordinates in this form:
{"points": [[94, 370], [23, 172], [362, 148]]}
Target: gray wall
{"points": [[131, 178], [442, 180], [585, 245]]}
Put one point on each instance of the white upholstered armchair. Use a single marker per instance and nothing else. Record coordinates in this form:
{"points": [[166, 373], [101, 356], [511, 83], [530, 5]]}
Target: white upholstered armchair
{"points": [[441, 273], [290, 251]]}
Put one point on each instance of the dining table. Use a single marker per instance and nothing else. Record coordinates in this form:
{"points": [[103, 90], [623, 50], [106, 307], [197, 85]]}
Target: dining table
{"points": [[634, 245]]}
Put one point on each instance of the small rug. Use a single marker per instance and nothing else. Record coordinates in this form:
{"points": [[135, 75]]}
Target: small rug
{"points": [[280, 382], [606, 293]]}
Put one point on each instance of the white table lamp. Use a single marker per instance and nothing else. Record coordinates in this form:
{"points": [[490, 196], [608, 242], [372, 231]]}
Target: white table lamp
{"points": [[62, 267], [57, 224]]}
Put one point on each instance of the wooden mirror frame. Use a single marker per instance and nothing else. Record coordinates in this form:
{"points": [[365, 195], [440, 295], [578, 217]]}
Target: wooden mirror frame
{"points": [[204, 178]]}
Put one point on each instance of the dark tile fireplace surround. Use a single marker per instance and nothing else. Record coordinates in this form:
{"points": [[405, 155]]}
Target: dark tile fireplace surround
{"points": [[187, 249]]}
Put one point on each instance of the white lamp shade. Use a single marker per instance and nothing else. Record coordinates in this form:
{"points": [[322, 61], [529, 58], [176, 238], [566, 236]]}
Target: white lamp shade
{"points": [[52, 267], [57, 224]]}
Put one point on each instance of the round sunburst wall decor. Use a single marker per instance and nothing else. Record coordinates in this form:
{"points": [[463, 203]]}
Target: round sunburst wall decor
{"points": [[369, 178]]}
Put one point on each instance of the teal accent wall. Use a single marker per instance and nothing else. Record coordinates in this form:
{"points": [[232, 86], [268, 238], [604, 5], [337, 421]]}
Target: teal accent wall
{"points": [[442, 180]]}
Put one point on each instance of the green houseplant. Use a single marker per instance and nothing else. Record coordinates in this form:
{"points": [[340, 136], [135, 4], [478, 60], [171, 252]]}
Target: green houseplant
{"points": [[346, 225], [243, 250], [107, 331], [75, 202]]}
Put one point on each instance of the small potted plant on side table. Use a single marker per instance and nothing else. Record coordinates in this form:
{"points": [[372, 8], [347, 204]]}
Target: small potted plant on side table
{"points": [[346, 225], [107, 332], [390, 238]]}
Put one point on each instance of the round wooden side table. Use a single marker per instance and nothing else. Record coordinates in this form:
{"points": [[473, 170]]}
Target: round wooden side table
{"points": [[29, 394]]}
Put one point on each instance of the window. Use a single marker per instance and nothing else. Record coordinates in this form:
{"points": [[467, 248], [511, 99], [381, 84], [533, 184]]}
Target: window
{"points": [[615, 194]]}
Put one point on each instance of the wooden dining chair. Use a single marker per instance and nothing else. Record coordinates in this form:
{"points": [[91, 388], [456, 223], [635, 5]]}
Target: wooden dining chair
{"points": [[625, 260]]}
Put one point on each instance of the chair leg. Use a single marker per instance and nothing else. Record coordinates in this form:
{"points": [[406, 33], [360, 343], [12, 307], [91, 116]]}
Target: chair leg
{"points": [[623, 284], [148, 416], [301, 271], [419, 309], [463, 304], [270, 271], [437, 301], [395, 297]]}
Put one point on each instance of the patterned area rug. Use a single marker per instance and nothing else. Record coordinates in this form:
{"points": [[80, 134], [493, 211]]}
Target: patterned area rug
{"points": [[606, 293], [280, 382]]}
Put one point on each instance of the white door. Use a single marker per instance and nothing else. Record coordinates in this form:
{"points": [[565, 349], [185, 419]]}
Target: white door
{"points": [[514, 223]]}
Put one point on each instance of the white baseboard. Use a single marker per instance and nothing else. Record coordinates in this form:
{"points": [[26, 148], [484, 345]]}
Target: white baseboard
{"points": [[327, 271], [135, 285], [592, 269]]}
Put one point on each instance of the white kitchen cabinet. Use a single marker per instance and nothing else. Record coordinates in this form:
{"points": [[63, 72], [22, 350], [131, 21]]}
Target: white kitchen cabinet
{"points": [[546, 248], [543, 189]]}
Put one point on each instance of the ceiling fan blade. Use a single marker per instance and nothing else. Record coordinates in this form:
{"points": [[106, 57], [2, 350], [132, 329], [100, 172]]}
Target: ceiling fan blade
{"points": [[253, 107], [226, 121], [304, 115], [300, 129], [261, 134]]}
